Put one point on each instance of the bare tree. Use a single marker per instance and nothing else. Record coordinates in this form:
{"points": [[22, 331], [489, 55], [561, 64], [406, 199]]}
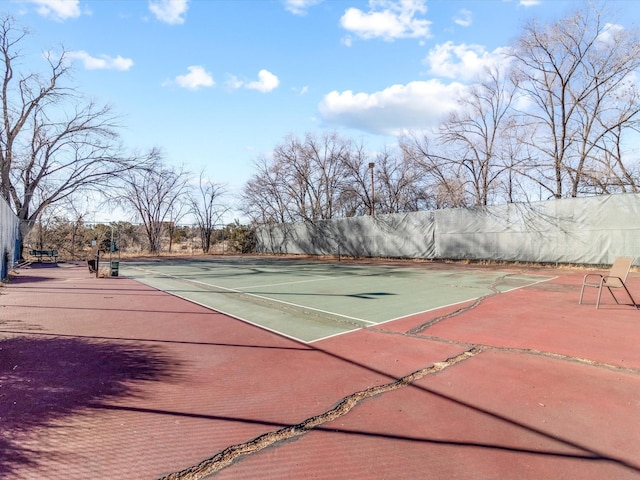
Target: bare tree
{"points": [[399, 183], [610, 170], [304, 181], [314, 173], [53, 143], [478, 136], [70, 212], [205, 206], [153, 195], [357, 196], [443, 178], [572, 72], [264, 198]]}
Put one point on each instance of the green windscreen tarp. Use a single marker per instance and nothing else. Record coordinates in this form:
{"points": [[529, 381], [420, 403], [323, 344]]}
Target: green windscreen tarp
{"points": [[591, 230]]}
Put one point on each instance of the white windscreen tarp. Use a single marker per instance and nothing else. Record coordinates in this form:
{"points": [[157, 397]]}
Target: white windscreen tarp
{"points": [[9, 225]]}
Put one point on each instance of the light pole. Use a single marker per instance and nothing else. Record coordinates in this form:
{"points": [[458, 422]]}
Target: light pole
{"points": [[373, 193]]}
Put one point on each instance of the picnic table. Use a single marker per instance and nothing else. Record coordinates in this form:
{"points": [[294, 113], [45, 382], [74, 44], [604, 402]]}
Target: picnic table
{"points": [[50, 255]]}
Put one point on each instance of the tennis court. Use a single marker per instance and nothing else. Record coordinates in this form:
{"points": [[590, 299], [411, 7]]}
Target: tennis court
{"points": [[313, 300], [108, 377]]}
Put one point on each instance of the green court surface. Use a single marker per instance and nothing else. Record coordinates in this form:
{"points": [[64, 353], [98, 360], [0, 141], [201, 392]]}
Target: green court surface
{"points": [[310, 300]]}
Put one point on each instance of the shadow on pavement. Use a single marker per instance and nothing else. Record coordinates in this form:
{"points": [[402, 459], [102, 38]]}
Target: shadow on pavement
{"points": [[46, 379]]}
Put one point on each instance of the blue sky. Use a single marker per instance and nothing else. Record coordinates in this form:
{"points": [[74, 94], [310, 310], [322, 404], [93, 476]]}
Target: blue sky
{"points": [[217, 83]]}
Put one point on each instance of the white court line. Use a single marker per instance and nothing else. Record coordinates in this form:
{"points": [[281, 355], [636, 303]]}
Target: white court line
{"points": [[314, 309], [317, 279], [237, 317], [268, 299], [465, 301]]}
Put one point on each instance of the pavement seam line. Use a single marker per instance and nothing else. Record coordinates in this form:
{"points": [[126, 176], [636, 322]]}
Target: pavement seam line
{"points": [[562, 357], [229, 455], [525, 351]]}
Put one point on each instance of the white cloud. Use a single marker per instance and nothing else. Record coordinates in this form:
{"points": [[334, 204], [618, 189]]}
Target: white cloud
{"points": [[416, 106], [234, 82], [463, 18], [196, 78], [461, 61], [388, 19], [299, 7], [58, 10], [266, 82], [610, 33], [169, 11], [347, 40], [529, 3], [104, 62]]}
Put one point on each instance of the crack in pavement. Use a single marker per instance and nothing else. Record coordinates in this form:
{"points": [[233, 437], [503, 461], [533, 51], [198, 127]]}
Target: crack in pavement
{"points": [[478, 301], [230, 454], [417, 333]]}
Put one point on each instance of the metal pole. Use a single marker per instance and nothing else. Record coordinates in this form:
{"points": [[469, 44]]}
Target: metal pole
{"points": [[373, 193]]}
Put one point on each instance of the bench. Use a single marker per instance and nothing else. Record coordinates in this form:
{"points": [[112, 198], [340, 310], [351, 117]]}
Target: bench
{"points": [[51, 255]]}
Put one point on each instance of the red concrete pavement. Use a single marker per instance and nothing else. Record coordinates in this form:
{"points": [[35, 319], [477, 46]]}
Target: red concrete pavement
{"points": [[108, 378]]}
